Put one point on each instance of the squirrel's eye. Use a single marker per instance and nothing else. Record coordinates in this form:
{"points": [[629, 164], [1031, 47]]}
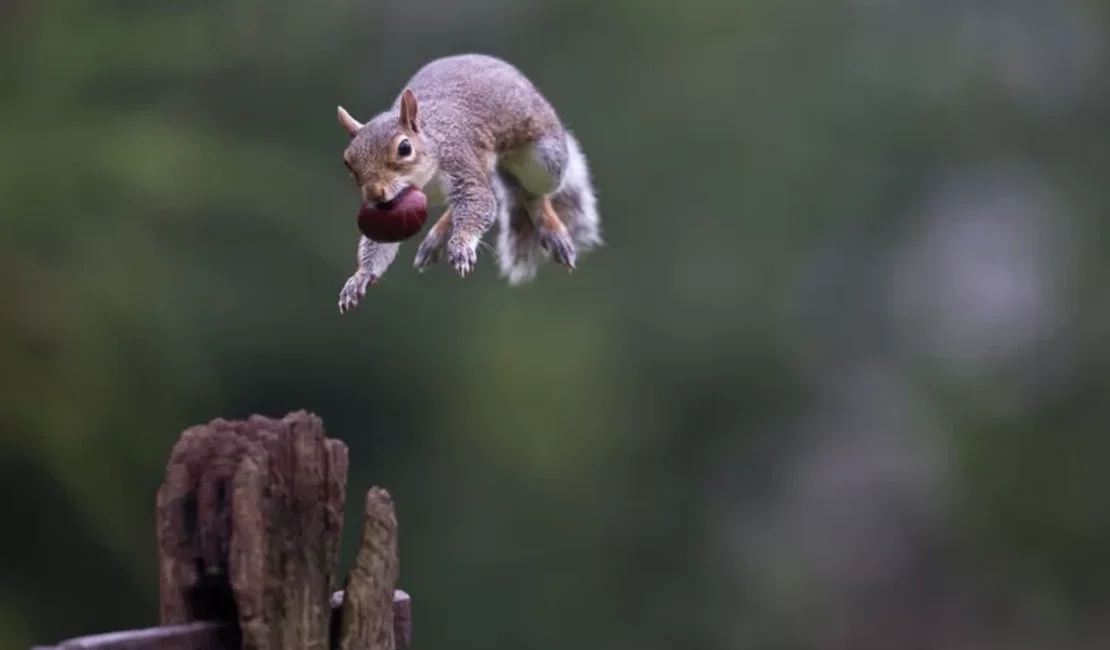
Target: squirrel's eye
{"points": [[404, 148]]}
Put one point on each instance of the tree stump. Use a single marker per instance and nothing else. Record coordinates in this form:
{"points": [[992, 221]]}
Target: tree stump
{"points": [[249, 523]]}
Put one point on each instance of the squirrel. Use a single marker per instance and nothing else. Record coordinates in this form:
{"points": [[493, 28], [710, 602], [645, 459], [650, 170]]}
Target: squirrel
{"points": [[474, 134]]}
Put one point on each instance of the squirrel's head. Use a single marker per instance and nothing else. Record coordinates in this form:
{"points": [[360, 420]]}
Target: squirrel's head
{"points": [[389, 152]]}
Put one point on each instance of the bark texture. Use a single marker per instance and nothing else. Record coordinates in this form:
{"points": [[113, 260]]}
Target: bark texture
{"points": [[249, 522]]}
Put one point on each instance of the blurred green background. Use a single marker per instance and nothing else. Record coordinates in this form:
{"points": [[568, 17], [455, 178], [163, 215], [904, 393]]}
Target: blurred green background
{"points": [[838, 381]]}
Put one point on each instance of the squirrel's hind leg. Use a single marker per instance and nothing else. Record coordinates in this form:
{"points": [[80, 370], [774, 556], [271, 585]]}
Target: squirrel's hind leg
{"points": [[529, 228], [563, 223], [539, 167], [556, 167], [554, 236], [576, 203]]}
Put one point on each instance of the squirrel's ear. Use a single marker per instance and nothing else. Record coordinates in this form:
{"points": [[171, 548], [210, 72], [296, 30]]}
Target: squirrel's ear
{"points": [[408, 110], [349, 123]]}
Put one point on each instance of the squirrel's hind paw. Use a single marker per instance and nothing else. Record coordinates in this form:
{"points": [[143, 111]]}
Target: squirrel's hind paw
{"points": [[559, 244]]}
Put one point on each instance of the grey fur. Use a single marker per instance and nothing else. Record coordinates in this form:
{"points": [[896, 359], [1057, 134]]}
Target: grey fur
{"points": [[373, 260], [476, 108], [494, 147], [523, 243]]}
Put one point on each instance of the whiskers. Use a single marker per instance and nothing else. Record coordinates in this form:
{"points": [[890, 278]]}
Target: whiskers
{"points": [[488, 247], [394, 191]]}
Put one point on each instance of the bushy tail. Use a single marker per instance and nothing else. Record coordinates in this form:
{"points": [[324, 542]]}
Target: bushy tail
{"points": [[518, 240], [519, 249]]}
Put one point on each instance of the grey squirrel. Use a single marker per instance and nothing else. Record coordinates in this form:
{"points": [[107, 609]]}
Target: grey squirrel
{"points": [[472, 132]]}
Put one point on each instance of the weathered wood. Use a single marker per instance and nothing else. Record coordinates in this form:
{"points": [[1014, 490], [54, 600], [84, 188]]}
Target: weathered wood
{"points": [[366, 621], [249, 527], [249, 520]]}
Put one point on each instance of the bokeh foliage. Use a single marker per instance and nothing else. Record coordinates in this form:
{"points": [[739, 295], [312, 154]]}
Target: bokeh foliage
{"points": [[837, 381]]}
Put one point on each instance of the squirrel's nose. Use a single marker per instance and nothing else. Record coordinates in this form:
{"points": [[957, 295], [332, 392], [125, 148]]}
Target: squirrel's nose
{"points": [[373, 194]]}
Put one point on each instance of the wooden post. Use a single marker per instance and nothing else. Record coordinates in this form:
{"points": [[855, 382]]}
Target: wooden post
{"points": [[249, 521]]}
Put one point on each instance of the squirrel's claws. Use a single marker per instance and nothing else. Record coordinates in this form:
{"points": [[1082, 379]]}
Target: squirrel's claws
{"points": [[429, 252], [354, 290], [462, 255], [431, 249], [560, 245], [554, 237]]}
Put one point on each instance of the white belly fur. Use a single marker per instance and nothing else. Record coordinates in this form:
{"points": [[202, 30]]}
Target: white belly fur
{"points": [[524, 164]]}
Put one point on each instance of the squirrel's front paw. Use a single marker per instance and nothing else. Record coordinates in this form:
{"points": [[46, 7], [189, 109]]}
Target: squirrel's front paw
{"points": [[462, 253], [354, 290]]}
